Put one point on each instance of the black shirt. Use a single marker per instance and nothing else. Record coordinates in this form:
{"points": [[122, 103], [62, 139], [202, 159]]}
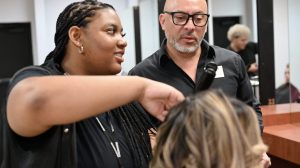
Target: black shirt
{"points": [[248, 55], [287, 93], [53, 148], [94, 148], [82, 144], [231, 76]]}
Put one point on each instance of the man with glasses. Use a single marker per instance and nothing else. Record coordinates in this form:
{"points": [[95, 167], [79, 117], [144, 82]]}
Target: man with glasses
{"points": [[184, 53]]}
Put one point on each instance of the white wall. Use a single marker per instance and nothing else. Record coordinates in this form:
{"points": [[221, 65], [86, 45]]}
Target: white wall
{"points": [[286, 39], [281, 46], [228, 8], [294, 36], [41, 32], [16, 11], [242, 8], [149, 27]]}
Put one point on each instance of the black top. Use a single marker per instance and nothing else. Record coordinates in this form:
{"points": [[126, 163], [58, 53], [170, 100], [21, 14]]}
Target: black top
{"points": [[231, 76], [248, 55], [287, 93], [82, 144], [48, 150], [94, 148]]}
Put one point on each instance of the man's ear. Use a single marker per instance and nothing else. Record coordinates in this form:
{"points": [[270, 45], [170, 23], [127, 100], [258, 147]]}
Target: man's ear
{"points": [[74, 35], [162, 20]]}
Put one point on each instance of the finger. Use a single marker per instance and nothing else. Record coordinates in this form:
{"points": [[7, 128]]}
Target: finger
{"points": [[174, 99], [163, 115], [266, 162], [269, 162]]}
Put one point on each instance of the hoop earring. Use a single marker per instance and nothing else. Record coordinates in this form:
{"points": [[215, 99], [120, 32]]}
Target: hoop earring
{"points": [[81, 49]]}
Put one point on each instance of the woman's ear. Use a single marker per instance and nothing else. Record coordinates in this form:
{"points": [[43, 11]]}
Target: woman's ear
{"points": [[74, 35]]}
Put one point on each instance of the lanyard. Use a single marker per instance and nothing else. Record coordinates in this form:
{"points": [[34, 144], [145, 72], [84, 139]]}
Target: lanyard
{"points": [[114, 144]]}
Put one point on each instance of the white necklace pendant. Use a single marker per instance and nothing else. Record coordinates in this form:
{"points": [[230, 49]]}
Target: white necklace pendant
{"points": [[116, 149]]}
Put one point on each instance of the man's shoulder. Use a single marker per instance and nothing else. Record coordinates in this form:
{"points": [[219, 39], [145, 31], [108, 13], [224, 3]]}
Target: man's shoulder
{"points": [[252, 44], [253, 47], [225, 54], [151, 62]]}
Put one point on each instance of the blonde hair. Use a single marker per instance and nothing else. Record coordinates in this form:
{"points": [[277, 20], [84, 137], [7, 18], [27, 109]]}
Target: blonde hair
{"points": [[249, 123], [203, 131], [237, 31]]}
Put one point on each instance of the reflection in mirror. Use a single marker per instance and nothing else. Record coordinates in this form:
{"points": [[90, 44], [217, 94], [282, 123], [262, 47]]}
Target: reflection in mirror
{"points": [[236, 29], [294, 50], [287, 52]]}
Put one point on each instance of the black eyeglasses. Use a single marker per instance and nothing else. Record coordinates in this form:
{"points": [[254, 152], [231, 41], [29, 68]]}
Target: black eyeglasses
{"points": [[181, 18]]}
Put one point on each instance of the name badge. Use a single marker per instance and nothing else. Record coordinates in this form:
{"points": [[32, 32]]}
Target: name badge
{"points": [[220, 72]]}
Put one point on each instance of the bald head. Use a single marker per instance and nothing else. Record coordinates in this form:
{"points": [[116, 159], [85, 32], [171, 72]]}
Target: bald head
{"points": [[186, 37], [183, 5], [169, 4]]}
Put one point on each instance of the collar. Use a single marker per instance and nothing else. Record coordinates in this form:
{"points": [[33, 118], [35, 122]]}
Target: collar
{"points": [[207, 53], [53, 67]]}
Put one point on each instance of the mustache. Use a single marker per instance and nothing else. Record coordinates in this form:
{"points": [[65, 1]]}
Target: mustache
{"points": [[190, 34]]}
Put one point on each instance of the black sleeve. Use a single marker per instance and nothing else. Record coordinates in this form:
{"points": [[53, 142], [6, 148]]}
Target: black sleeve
{"points": [[26, 72], [7, 137], [256, 107], [253, 46], [253, 50], [140, 69], [245, 91]]}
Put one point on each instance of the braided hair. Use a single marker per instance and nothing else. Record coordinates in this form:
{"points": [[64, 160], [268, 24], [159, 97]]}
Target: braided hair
{"points": [[132, 117], [76, 14], [135, 124]]}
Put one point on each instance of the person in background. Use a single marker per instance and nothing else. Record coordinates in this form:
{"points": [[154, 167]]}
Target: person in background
{"points": [[65, 113], [184, 53], [287, 92], [247, 119], [238, 36], [203, 131]]}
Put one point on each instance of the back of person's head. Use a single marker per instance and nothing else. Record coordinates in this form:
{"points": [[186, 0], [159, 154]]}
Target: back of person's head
{"points": [[237, 31], [203, 131], [287, 73], [249, 123], [76, 14]]}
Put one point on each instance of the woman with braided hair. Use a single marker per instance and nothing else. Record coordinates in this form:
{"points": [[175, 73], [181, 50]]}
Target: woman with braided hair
{"points": [[66, 113]]}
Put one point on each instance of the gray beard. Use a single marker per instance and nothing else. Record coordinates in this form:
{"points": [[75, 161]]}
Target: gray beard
{"points": [[183, 49]]}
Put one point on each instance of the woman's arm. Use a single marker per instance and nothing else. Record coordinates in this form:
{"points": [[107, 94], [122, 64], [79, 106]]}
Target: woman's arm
{"points": [[36, 104]]}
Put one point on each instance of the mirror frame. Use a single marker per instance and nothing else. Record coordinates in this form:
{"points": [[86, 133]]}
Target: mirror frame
{"points": [[265, 30]]}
